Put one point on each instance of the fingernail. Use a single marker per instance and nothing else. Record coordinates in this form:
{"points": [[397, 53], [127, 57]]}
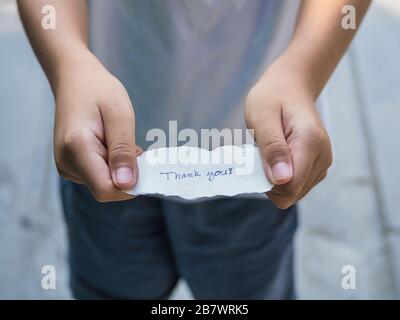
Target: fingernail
{"points": [[124, 175], [281, 171]]}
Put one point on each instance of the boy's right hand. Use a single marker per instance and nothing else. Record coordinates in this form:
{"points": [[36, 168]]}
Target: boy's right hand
{"points": [[94, 131]]}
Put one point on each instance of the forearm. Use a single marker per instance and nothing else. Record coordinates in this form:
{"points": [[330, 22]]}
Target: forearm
{"points": [[320, 41], [56, 48]]}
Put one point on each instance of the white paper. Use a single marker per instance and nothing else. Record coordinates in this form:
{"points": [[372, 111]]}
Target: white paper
{"points": [[192, 173]]}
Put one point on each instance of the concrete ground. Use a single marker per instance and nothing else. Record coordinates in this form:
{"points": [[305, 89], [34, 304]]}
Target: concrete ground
{"points": [[352, 218]]}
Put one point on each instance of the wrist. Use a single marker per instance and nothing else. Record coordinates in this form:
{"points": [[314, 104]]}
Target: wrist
{"points": [[300, 69], [75, 60]]}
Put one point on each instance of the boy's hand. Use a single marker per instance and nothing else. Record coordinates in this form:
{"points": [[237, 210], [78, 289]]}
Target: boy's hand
{"points": [[95, 130], [293, 142]]}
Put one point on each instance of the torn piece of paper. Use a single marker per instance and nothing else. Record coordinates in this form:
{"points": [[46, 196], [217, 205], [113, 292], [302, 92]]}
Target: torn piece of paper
{"points": [[192, 173]]}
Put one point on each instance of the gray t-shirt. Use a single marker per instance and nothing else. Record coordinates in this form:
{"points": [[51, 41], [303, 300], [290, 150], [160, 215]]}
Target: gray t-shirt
{"points": [[189, 60]]}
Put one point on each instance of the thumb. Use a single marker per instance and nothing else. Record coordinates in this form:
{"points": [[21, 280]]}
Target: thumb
{"points": [[119, 127], [275, 150]]}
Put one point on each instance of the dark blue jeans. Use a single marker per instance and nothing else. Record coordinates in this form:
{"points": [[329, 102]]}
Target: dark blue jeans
{"points": [[227, 248]]}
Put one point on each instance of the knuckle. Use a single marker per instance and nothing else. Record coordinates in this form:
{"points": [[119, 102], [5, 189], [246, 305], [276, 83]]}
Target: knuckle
{"points": [[275, 147], [318, 136], [74, 140], [318, 139], [121, 151]]}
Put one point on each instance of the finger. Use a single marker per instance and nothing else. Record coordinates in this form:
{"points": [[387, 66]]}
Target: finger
{"points": [[304, 161], [319, 168], [271, 140], [87, 160], [96, 174], [119, 126], [321, 164], [75, 145], [321, 176]]}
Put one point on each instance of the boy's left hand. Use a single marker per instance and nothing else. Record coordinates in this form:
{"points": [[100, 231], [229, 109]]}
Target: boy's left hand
{"points": [[292, 140]]}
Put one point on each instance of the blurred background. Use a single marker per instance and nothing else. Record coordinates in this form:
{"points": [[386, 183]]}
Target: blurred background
{"points": [[352, 218]]}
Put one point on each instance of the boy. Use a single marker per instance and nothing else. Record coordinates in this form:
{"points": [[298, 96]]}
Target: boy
{"points": [[190, 61]]}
